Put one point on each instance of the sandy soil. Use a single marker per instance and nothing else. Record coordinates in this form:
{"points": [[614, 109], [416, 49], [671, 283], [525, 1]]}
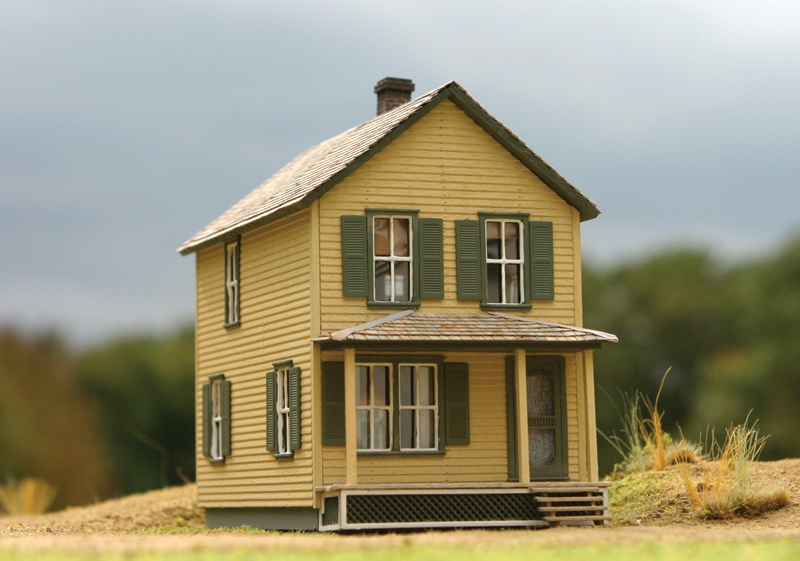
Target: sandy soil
{"points": [[168, 520]]}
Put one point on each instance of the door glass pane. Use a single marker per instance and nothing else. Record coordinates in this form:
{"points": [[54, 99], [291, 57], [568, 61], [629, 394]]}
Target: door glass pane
{"points": [[492, 240], [427, 429], [427, 386], [362, 433], [383, 281], [401, 236], [407, 385], [402, 281], [362, 385], [541, 394], [493, 294], [380, 376], [381, 417], [407, 428], [512, 284], [512, 240], [542, 447], [381, 237]]}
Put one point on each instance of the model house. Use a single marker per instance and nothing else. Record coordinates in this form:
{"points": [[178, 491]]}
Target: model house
{"points": [[389, 333]]}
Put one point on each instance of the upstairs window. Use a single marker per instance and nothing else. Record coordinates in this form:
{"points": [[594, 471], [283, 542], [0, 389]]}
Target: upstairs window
{"points": [[504, 262], [393, 265], [232, 284]]}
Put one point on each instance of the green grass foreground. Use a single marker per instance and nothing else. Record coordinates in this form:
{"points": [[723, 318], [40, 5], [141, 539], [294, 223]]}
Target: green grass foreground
{"points": [[656, 551]]}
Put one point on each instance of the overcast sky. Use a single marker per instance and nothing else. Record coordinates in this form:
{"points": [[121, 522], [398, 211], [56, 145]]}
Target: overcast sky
{"points": [[126, 127]]}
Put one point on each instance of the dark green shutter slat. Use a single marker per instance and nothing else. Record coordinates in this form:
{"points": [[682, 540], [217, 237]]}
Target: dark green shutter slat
{"points": [[206, 419], [271, 420], [456, 407], [225, 406], [294, 408], [333, 427], [541, 250], [468, 259], [431, 262], [355, 269], [511, 419]]}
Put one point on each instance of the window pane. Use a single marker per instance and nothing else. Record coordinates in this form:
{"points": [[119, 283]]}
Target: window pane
{"points": [[383, 281], [401, 235], [402, 280], [380, 377], [493, 294], [407, 393], [541, 394], [427, 430], [492, 240], [512, 284], [512, 240], [407, 429], [381, 237], [381, 418], [362, 385], [362, 424], [427, 385], [542, 447]]}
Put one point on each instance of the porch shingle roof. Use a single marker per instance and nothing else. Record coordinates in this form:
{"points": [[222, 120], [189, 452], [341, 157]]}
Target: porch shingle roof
{"points": [[412, 326]]}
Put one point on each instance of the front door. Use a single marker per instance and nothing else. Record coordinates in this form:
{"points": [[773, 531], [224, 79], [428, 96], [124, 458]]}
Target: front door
{"points": [[547, 442]]}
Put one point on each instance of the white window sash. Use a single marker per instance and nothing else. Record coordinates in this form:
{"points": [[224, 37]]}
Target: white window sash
{"points": [[216, 420], [282, 407], [371, 408], [417, 408], [503, 261], [232, 281], [392, 258]]}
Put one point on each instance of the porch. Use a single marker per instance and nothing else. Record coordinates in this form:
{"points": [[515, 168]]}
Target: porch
{"points": [[400, 506]]}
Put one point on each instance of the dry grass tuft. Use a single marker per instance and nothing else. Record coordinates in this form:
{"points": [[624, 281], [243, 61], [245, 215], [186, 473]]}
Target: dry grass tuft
{"points": [[683, 452], [29, 496]]}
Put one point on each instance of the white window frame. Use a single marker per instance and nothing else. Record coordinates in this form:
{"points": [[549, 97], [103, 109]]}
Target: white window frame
{"points": [[503, 261], [371, 408], [418, 408], [216, 420], [282, 410], [232, 283], [392, 259]]}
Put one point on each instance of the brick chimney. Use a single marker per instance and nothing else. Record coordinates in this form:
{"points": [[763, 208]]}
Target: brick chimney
{"points": [[393, 92]]}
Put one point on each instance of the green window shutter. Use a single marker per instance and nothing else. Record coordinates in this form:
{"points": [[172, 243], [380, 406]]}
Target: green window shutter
{"points": [[541, 257], [225, 395], [271, 420], [206, 419], [468, 259], [333, 429], [456, 406], [431, 260], [355, 269], [511, 419], [294, 408]]}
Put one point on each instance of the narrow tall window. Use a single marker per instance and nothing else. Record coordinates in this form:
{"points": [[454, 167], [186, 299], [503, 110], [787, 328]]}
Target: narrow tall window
{"points": [[504, 262], [216, 420], [283, 412], [419, 409], [374, 406], [232, 283], [392, 258]]}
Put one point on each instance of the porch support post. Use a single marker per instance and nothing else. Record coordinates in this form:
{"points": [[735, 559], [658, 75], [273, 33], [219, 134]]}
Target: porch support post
{"points": [[591, 418], [351, 455], [522, 416]]}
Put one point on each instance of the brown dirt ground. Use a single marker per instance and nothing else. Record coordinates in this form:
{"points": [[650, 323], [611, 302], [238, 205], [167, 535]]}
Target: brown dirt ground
{"points": [[169, 520]]}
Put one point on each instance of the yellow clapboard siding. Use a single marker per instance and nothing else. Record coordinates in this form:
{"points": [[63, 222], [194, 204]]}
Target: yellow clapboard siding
{"points": [[275, 325]]}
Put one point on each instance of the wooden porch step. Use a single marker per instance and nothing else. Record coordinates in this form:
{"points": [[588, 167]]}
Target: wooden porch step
{"points": [[581, 508], [568, 499], [577, 518], [587, 489]]}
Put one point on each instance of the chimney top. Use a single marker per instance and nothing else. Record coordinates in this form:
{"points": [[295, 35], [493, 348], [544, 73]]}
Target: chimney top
{"points": [[392, 93]]}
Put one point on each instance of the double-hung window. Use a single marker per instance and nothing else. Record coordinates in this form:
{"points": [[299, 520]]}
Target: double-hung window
{"points": [[284, 396], [217, 418], [232, 284], [419, 407], [505, 260], [392, 257], [282, 411], [393, 265], [374, 406]]}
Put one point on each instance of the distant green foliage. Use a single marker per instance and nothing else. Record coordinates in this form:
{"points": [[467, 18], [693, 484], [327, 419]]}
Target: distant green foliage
{"points": [[730, 333], [144, 390]]}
